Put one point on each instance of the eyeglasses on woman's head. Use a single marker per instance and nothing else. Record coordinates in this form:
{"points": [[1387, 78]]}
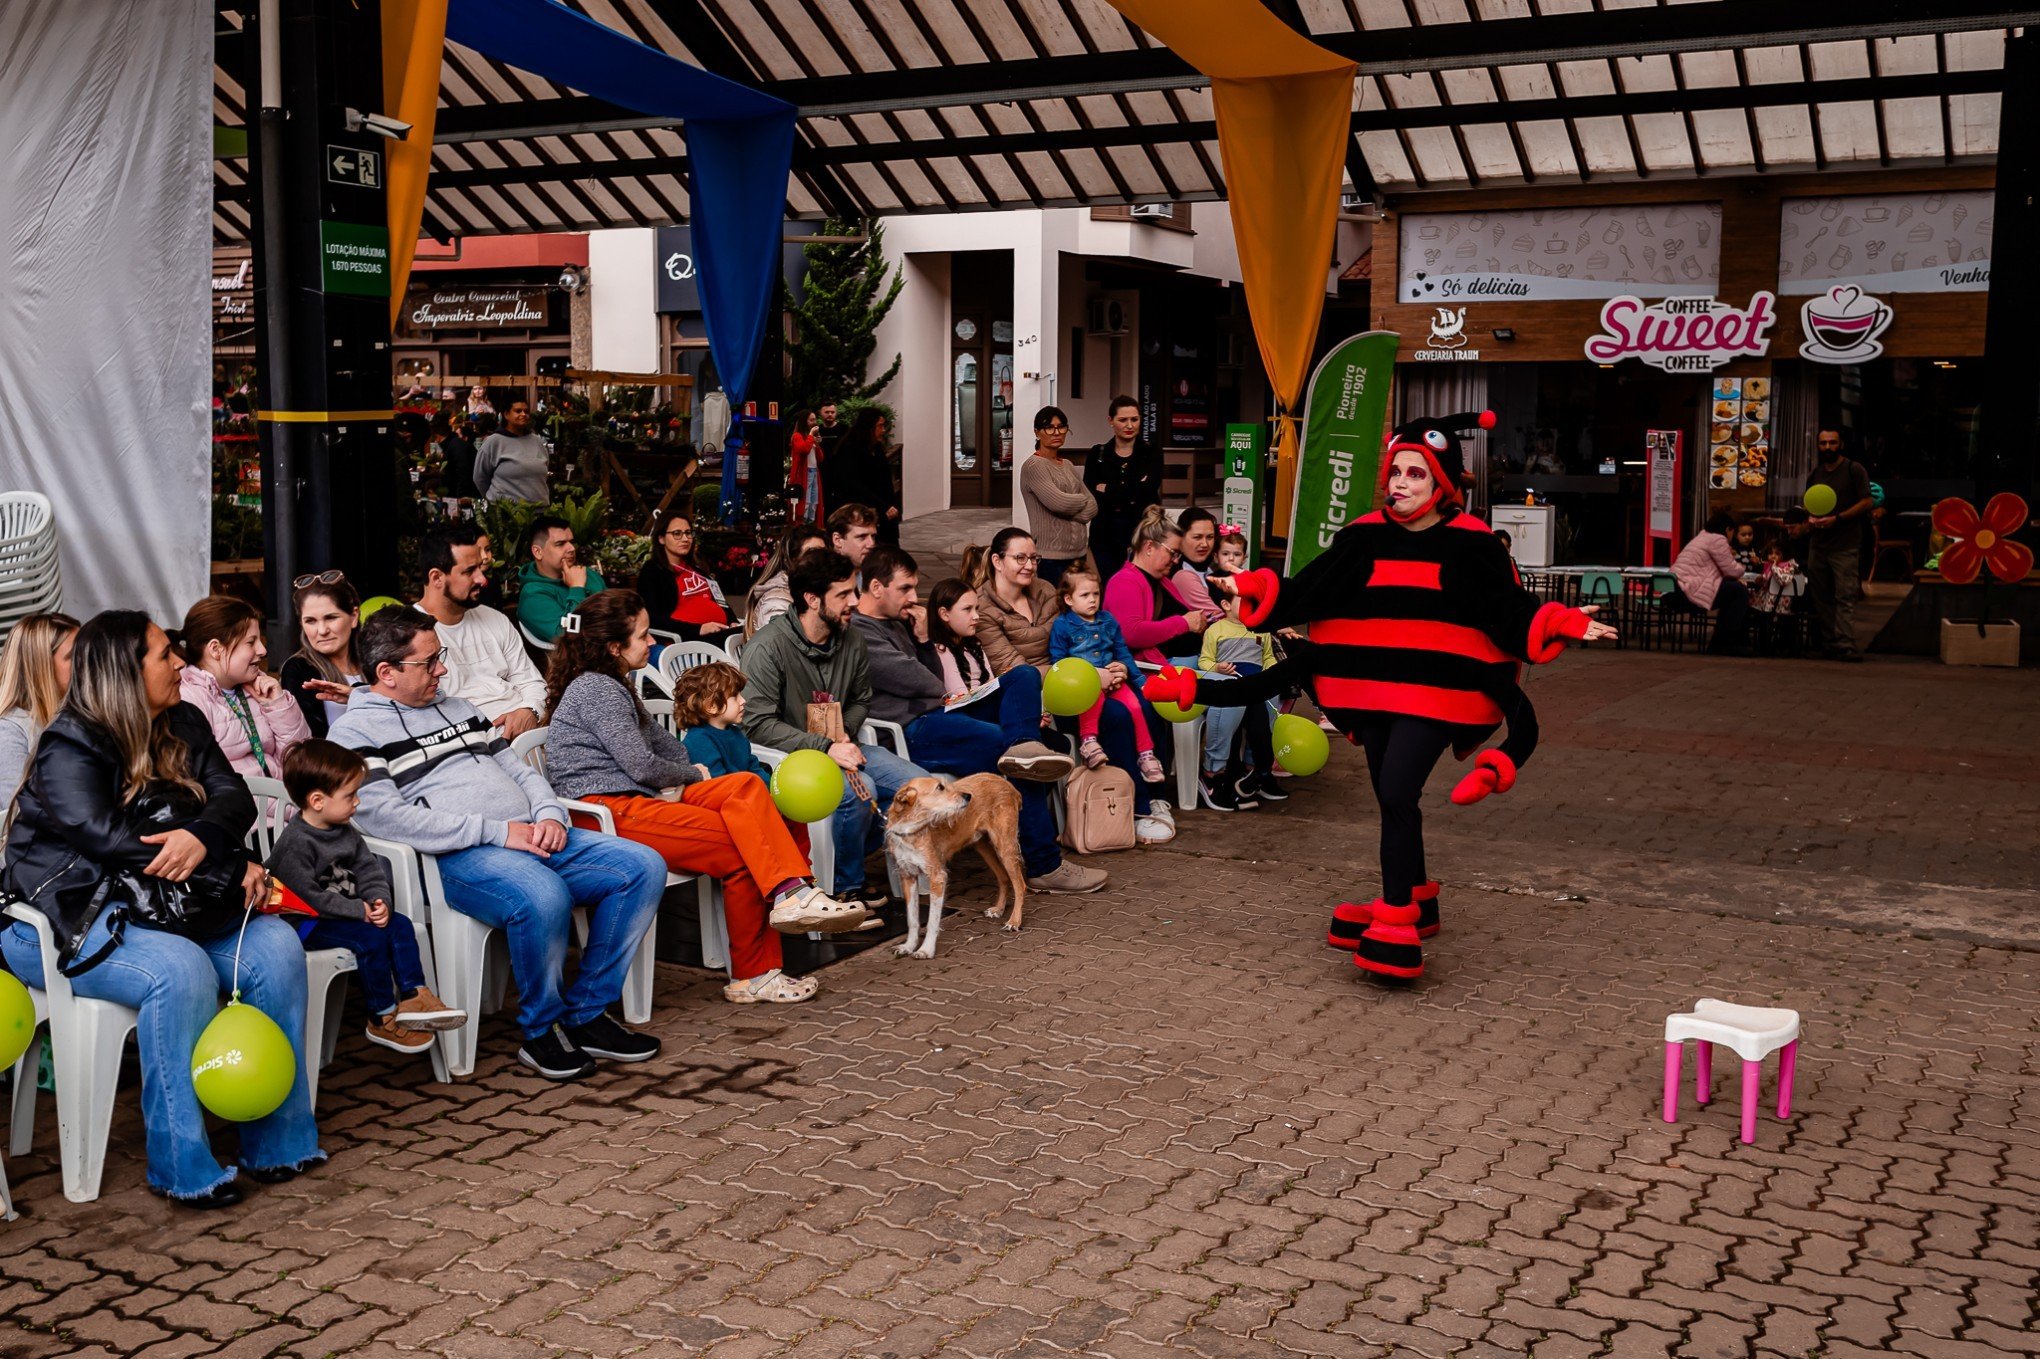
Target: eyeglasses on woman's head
{"points": [[320, 578]]}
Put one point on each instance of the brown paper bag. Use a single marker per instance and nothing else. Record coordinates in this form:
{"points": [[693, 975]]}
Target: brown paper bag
{"points": [[826, 720]]}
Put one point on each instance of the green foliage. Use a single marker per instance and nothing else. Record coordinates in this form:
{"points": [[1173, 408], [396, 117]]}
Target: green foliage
{"points": [[846, 413], [846, 295], [620, 556], [707, 501], [588, 518], [236, 530]]}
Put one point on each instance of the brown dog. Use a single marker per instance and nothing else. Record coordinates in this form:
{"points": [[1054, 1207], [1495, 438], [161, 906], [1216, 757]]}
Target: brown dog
{"points": [[930, 822]]}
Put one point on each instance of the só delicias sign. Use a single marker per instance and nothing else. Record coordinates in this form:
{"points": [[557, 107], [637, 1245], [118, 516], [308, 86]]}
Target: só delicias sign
{"points": [[1684, 334]]}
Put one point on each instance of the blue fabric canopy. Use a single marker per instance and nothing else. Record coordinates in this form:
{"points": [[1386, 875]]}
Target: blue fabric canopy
{"points": [[739, 153]]}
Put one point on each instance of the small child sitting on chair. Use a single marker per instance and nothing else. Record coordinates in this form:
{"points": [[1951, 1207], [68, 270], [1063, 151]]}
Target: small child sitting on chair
{"points": [[1083, 630], [708, 704], [322, 861]]}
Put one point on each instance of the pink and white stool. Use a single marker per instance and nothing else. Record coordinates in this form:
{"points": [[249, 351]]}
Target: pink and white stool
{"points": [[1753, 1033]]}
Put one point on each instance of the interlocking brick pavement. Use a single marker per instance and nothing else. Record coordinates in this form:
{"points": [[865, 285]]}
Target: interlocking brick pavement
{"points": [[1166, 1121]]}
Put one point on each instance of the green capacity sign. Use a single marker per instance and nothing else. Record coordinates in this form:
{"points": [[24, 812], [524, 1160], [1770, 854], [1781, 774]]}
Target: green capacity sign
{"points": [[354, 259], [1345, 413], [1246, 453]]}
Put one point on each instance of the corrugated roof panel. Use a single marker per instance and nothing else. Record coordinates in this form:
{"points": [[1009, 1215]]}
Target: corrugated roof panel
{"points": [[1438, 158], [1724, 137]]}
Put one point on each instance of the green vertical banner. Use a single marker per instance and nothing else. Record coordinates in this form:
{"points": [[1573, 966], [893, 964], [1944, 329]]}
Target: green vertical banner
{"points": [[1345, 413], [1246, 454]]}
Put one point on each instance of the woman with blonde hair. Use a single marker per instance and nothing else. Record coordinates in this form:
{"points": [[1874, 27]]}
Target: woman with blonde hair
{"points": [[322, 672], [35, 671], [604, 747], [128, 786], [253, 718]]}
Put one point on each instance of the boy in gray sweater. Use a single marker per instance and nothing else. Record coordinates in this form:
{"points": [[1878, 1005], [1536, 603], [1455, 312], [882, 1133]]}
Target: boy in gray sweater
{"points": [[321, 860]]}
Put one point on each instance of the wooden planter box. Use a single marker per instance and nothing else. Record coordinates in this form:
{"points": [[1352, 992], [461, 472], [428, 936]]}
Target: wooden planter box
{"points": [[1961, 645]]}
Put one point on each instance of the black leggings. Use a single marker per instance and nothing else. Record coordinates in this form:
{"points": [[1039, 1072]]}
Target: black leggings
{"points": [[1401, 753]]}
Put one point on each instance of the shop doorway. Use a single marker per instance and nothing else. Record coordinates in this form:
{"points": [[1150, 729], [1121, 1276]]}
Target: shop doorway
{"points": [[981, 379]]}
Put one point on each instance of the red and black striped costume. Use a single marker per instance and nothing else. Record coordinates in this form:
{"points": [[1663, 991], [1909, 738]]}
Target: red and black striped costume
{"points": [[1416, 641]]}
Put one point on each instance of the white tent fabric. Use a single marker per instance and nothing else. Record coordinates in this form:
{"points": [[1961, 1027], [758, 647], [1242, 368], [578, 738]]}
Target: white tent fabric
{"points": [[105, 314]]}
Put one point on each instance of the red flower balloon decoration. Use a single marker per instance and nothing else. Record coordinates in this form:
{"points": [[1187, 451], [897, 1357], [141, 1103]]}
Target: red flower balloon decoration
{"points": [[1986, 540]]}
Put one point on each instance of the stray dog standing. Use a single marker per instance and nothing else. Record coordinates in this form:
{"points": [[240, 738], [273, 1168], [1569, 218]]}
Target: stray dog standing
{"points": [[930, 822]]}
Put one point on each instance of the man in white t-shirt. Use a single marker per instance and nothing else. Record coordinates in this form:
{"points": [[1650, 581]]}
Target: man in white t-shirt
{"points": [[486, 662]]}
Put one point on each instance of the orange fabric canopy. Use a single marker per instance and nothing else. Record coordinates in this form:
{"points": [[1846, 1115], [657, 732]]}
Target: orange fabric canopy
{"points": [[413, 39], [1283, 106]]}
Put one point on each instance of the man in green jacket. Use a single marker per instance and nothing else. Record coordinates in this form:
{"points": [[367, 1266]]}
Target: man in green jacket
{"points": [[807, 679], [553, 582]]}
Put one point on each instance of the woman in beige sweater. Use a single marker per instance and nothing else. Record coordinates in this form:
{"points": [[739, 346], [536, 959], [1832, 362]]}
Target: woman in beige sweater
{"points": [[1059, 505]]}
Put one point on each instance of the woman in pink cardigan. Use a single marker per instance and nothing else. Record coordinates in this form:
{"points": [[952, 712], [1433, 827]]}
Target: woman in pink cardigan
{"points": [[1710, 577], [1142, 598], [253, 717]]}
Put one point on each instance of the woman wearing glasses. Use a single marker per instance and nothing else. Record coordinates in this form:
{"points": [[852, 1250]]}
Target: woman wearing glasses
{"points": [[1059, 506], [322, 672], [681, 598]]}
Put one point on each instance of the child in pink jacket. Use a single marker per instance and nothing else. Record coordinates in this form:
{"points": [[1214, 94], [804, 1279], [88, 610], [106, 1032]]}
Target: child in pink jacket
{"points": [[253, 717]]}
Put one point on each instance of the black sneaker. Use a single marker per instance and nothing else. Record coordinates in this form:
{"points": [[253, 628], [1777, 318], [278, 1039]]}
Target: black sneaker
{"points": [[553, 1055], [1262, 787], [1221, 796], [604, 1037], [873, 896]]}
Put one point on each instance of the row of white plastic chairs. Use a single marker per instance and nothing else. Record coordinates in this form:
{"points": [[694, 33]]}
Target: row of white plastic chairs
{"points": [[464, 961]]}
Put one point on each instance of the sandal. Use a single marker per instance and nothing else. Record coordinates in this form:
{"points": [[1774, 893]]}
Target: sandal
{"points": [[773, 988], [811, 908]]}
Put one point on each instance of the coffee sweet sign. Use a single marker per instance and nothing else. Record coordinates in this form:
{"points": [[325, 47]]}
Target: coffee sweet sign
{"points": [[1684, 334]]}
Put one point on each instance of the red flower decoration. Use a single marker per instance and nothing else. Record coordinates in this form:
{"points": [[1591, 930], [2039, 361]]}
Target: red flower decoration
{"points": [[1979, 541]]}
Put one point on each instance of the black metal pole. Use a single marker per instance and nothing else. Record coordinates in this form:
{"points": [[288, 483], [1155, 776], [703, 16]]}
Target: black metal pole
{"points": [[2010, 416], [276, 387]]}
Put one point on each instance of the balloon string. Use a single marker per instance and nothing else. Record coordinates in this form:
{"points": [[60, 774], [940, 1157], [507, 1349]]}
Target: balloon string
{"points": [[246, 915]]}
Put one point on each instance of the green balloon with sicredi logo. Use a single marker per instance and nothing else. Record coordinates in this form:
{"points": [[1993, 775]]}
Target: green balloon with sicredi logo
{"points": [[17, 1020], [242, 1066], [1301, 745]]}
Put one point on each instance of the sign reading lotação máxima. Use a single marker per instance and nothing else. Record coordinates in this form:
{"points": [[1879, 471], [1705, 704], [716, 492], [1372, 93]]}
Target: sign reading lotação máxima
{"points": [[354, 259]]}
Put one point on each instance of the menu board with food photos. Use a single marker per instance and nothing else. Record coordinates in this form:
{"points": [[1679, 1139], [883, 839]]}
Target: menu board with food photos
{"points": [[1739, 434]]}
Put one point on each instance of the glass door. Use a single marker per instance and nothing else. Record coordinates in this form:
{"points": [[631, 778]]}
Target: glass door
{"points": [[969, 406]]}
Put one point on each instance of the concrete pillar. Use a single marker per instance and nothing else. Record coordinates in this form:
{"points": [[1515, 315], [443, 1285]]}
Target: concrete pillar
{"points": [[917, 329], [623, 327]]}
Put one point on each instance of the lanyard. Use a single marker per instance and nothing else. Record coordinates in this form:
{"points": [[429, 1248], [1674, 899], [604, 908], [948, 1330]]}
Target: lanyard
{"points": [[239, 708]]}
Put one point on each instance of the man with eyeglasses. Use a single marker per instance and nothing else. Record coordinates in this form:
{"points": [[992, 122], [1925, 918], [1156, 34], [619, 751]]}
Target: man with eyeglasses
{"points": [[443, 780], [1060, 507], [554, 581]]}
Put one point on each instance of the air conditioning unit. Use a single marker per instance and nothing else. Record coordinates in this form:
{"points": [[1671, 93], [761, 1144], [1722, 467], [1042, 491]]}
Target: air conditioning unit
{"points": [[1354, 202], [1148, 212], [1108, 316]]}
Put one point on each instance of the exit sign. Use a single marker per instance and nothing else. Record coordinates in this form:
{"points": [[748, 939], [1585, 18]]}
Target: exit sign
{"points": [[354, 259]]}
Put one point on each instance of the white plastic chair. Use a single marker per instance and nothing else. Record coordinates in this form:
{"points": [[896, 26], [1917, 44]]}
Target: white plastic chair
{"points": [[85, 1037], [1188, 752], [733, 647], [661, 710], [326, 969], [821, 834], [21, 1117], [684, 656], [531, 639]]}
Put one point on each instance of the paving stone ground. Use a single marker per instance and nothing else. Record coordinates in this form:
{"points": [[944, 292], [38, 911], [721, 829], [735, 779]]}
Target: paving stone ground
{"points": [[1166, 1120]]}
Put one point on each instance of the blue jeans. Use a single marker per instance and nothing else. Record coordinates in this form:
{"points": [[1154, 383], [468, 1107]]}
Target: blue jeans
{"points": [[1221, 725], [175, 983], [856, 831], [532, 901], [386, 957], [971, 740], [1115, 733]]}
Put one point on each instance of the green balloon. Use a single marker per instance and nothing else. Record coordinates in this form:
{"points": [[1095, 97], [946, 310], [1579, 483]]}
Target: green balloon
{"points": [[1070, 687], [17, 1020], [243, 1066], [807, 786], [1301, 745], [1820, 499], [1171, 713], [371, 607]]}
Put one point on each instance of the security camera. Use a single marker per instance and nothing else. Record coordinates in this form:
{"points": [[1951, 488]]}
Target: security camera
{"points": [[573, 278], [381, 124]]}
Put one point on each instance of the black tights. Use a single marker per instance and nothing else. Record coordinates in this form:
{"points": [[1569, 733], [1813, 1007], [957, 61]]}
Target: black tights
{"points": [[1401, 753]]}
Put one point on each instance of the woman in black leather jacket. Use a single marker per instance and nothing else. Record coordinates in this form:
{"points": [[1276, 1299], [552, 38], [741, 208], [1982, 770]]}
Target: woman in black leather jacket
{"points": [[122, 730]]}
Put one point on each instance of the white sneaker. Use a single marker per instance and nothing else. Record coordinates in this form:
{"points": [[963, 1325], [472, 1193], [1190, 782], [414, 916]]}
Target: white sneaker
{"points": [[1162, 812], [811, 908], [1150, 831]]}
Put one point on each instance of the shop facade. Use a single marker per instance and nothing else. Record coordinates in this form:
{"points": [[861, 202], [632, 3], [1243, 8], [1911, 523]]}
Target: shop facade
{"points": [[1724, 320], [495, 314]]}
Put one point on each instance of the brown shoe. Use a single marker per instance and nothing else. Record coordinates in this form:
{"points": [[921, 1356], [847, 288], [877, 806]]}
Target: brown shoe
{"points": [[427, 1011], [384, 1030]]}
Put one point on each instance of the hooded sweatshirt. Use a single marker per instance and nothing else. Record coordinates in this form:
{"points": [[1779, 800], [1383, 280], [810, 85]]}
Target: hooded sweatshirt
{"points": [[784, 672], [543, 601], [440, 778], [906, 678]]}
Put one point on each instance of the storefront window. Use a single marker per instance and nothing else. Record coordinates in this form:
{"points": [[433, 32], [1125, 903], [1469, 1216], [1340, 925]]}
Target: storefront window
{"points": [[964, 440]]}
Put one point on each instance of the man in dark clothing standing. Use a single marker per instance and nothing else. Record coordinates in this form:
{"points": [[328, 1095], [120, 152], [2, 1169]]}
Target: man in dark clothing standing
{"points": [[1834, 556]]}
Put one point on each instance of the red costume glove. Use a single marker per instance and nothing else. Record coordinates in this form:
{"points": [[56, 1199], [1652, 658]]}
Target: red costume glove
{"points": [[1493, 772], [1257, 595], [1171, 685], [1551, 627]]}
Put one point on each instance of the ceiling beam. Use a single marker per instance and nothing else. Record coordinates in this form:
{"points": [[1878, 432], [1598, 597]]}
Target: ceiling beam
{"points": [[1569, 107], [1586, 36]]}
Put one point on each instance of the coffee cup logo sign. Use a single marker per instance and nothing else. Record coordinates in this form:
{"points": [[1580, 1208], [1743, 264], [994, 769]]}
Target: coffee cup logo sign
{"points": [[1842, 325], [1684, 334]]}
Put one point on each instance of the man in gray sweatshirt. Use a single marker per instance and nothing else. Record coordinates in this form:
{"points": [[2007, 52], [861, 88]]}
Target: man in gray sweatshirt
{"points": [[442, 780], [1000, 733]]}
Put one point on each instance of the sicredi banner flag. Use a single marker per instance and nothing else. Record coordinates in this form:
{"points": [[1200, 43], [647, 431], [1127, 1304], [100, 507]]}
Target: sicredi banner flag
{"points": [[1684, 334], [1344, 415]]}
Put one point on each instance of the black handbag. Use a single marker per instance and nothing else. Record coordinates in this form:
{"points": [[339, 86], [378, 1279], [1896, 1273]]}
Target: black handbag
{"points": [[207, 904]]}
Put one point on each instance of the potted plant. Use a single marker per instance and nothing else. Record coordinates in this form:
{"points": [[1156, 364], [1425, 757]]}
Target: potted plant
{"points": [[1976, 542]]}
